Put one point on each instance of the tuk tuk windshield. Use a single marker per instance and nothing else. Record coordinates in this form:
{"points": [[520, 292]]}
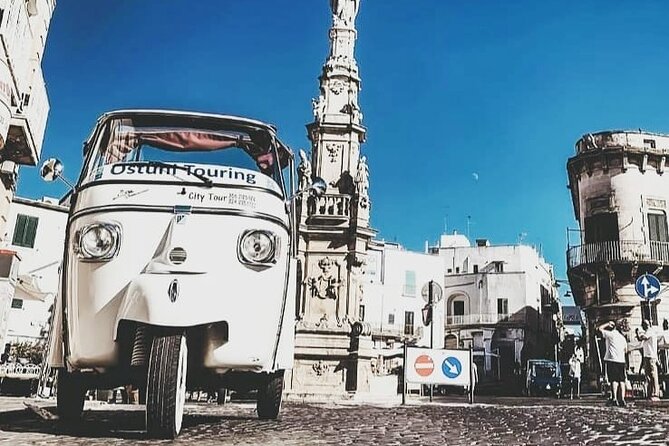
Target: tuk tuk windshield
{"points": [[190, 149]]}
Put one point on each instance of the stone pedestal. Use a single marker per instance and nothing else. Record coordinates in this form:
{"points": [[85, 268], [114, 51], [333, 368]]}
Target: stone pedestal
{"points": [[336, 364]]}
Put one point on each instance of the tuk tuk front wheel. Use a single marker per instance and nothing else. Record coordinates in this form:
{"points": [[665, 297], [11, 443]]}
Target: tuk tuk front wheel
{"points": [[166, 385], [70, 396], [270, 392]]}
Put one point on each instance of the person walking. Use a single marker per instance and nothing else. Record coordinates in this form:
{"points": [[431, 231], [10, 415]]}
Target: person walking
{"points": [[575, 375], [648, 338], [616, 347]]}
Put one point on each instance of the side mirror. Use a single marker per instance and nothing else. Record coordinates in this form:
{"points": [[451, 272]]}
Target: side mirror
{"points": [[318, 187], [51, 170]]}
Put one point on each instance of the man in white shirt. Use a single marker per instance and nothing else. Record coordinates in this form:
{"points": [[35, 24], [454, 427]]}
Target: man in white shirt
{"points": [[616, 347], [575, 375], [648, 338]]}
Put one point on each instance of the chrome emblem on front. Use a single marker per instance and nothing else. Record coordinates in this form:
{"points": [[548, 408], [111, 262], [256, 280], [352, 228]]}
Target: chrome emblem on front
{"points": [[173, 290]]}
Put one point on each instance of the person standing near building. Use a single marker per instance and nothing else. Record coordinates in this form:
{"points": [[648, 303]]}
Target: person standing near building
{"points": [[616, 347], [575, 375], [648, 338]]}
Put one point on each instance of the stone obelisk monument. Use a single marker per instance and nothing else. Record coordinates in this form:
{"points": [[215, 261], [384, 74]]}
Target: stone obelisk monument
{"points": [[333, 348]]}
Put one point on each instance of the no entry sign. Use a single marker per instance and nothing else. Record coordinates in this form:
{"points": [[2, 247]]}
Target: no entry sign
{"points": [[424, 365]]}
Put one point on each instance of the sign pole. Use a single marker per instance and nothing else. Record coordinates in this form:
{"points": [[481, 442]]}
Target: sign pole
{"points": [[471, 376], [430, 302], [404, 373]]}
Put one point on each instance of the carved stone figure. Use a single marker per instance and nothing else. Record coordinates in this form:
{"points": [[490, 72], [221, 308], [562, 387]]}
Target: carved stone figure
{"points": [[344, 11], [362, 177], [345, 183], [353, 110], [304, 171], [318, 106], [326, 285]]}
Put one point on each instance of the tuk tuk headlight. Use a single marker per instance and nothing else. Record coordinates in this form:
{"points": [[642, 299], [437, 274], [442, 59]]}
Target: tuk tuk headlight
{"points": [[98, 241], [258, 247]]}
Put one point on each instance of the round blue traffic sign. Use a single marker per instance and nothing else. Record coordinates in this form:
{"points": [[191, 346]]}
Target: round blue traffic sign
{"points": [[451, 367], [647, 286]]}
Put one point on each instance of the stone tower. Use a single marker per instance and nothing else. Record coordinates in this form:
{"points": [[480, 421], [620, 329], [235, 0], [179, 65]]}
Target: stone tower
{"points": [[620, 192], [333, 347]]}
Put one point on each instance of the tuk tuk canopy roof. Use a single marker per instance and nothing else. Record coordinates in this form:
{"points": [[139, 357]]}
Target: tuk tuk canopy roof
{"points": [[190, 131]]}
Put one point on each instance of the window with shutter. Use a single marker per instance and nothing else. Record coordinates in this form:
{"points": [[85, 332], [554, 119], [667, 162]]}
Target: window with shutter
{"points": [[25, 231], [657, 227]]}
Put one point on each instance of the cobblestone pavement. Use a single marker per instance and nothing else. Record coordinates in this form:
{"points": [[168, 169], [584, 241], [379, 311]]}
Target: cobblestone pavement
{"points": [[509, 422]]}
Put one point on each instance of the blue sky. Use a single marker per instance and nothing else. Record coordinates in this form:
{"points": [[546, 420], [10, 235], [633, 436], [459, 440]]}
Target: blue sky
{"points": [[472, 107]]}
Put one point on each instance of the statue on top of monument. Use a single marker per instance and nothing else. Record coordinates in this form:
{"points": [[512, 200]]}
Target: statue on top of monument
{"points": [[304, 171], [344, 11], [362, 177]]}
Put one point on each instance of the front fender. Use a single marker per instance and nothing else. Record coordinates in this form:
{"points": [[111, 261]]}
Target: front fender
{"points": [[168, 300], [55, 354]]}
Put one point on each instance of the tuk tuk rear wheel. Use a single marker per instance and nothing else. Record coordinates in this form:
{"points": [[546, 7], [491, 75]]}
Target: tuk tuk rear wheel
{"points": [[69, 397], [166, 385], [270, 392]]}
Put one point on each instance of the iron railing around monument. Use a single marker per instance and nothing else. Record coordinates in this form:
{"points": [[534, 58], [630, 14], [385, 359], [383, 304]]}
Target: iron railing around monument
{"points": [[618, 251]]}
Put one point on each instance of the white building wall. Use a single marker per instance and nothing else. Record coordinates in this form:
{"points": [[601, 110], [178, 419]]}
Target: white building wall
{"points": [[386, 292], [512, 272], [40, 264]]}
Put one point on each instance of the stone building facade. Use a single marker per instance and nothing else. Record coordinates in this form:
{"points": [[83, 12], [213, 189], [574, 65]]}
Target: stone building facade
{"points": [[24, 104], [36, 233], [620, 191], [500, 300], [24, 107]]}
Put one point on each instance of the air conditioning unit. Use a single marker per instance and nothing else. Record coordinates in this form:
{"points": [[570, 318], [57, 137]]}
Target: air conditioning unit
{"points": [[9, 264]]}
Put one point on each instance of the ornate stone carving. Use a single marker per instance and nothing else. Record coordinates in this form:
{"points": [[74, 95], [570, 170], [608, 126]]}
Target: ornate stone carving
{"points": [[337, 86], [326, 285], [341, 61], [656, 203], [321, 368], [333, 149], [344, 11], [304, 171]]}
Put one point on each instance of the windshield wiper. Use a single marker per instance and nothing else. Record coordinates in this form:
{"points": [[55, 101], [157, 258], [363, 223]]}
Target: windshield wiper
{"points": [[205, 179]]}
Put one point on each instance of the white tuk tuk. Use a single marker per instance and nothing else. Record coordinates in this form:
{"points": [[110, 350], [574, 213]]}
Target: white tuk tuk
{"points": [[179, 269]]}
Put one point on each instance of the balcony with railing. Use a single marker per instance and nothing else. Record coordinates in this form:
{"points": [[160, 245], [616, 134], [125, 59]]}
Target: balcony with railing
{"points": [[29, 122], [476, 318], [396, 331], [618, 251], [330, 207]]}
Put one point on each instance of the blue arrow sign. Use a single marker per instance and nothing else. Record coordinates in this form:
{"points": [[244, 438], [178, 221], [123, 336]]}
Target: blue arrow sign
{"points": [[451, 367], [647, 286]]}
